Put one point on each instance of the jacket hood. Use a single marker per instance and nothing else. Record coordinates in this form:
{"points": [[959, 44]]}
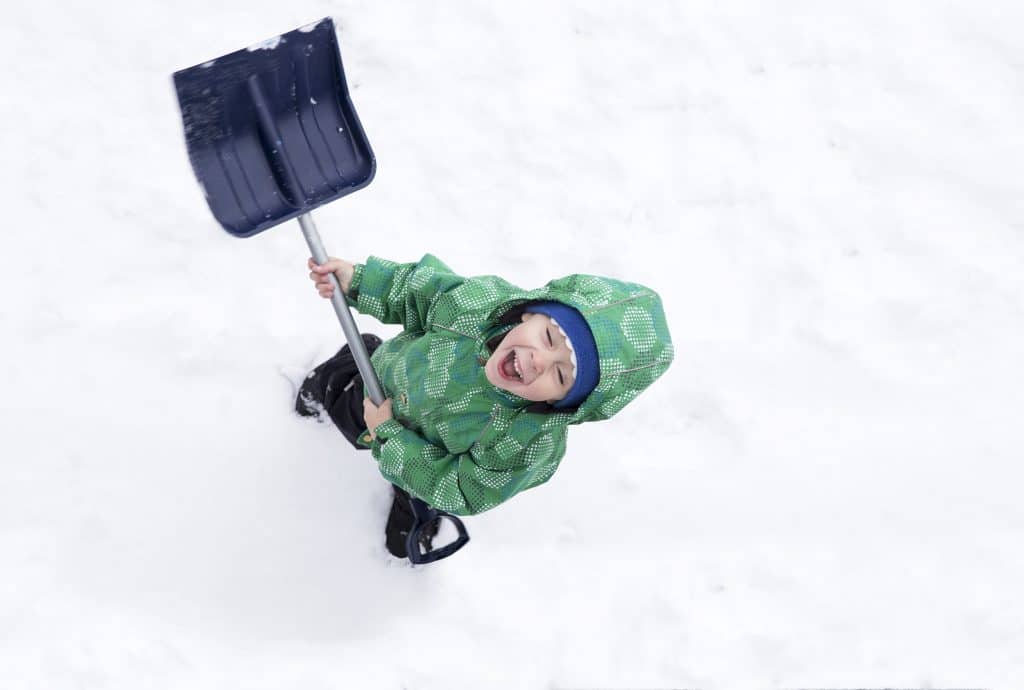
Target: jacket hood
{"points": [[634, 346]]}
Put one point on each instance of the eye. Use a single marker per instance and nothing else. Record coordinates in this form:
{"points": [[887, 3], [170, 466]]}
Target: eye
{"points": [[561, 381], [550, 341]]}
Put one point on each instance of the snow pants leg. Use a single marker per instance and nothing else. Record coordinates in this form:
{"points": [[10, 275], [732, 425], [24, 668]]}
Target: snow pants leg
{"points": [[337, 388]]}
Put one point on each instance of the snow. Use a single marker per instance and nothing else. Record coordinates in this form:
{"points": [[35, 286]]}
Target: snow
{"points": [[307, 28], [268, 44], [823, 491]]}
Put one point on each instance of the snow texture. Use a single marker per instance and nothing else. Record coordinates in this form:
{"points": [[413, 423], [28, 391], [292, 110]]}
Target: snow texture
{"points": [[823, 491]]}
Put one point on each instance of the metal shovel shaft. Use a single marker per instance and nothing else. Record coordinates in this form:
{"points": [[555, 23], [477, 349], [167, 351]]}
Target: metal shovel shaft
{"points": [[348, 324]]}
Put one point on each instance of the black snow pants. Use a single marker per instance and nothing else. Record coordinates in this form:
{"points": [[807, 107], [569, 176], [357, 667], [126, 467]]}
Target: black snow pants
{"points": [[337, 387]]}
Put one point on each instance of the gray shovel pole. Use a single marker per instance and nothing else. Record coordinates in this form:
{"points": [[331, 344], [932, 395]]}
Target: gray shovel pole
{"points": [[348, 324]]}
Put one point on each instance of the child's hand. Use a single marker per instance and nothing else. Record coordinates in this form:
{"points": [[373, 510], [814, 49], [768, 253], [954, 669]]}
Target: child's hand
{"points": [[319, 274], [375, 415]]}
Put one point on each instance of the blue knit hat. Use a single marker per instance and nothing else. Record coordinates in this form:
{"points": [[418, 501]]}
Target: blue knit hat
{"points": [[582, 345]]}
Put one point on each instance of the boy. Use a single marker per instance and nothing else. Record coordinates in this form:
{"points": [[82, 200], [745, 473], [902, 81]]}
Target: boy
{"points": [[484, 378]]}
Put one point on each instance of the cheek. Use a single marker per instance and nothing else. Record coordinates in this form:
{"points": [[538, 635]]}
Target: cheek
{"points": [[543, 386]]}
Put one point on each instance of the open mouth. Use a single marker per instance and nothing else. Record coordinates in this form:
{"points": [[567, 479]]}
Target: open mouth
{"points": [[509, 368]]}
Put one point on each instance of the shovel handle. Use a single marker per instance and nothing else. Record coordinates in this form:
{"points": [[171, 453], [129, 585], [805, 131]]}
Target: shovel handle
{"points": [[348, 324]]}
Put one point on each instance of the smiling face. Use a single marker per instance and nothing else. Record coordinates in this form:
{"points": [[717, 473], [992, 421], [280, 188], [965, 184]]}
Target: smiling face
{"points": [[533, 361]]}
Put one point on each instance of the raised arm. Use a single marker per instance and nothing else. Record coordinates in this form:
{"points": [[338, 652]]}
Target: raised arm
{"points": [[389, 291]]}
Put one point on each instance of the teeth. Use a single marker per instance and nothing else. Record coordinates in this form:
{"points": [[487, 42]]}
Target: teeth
{"points": [[515, 362]]}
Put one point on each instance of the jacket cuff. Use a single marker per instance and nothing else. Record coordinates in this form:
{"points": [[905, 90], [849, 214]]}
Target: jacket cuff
{"points": [[389, 428], [352, 297]]}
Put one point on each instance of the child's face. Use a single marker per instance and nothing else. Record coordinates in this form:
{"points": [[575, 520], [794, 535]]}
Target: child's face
{"points": [[532, 361]]}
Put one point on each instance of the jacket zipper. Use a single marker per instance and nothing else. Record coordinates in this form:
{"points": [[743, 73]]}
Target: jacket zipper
{"points": [[452, 330]]}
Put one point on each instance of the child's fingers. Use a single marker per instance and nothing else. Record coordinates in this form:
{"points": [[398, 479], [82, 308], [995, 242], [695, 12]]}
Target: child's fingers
{"points": [[370, 415], [374, 414], [321, 274], [330, 266], [321, 280]]}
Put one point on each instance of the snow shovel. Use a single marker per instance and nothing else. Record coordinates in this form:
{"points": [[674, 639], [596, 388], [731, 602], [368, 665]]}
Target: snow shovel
{"points": [[272, 134]]}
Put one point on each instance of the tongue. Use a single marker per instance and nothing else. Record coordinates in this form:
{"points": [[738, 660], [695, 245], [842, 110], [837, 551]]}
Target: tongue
{"points": [[509, 368]]}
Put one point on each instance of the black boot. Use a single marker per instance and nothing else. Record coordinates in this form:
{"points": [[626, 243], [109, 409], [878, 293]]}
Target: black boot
{"points": [[401, 521], [331, 376]]}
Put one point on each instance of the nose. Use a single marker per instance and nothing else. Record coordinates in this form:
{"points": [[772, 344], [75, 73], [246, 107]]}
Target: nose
{"points": [[540, 362]]}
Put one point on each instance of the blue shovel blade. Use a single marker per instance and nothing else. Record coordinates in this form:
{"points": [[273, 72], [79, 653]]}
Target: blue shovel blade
{"points": [[271, 130]]}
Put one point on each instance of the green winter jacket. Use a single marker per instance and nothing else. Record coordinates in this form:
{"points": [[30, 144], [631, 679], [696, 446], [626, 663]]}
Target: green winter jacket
{"points": [[457, 441]]}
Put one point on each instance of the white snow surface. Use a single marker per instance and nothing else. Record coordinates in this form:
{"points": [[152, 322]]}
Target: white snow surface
{"points": [[823, 491]]}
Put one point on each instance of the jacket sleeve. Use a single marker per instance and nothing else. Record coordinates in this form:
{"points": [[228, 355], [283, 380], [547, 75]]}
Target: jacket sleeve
{"points": [[400, 293], [465, 483]]}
